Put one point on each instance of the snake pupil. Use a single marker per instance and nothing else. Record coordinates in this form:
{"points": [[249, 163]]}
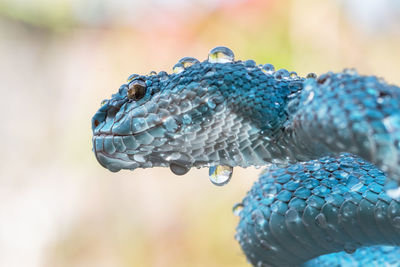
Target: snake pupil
{"points": [[136, 90]]}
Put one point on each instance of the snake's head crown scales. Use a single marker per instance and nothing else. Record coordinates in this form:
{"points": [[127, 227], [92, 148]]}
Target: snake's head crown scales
{"points": [[205, 113]]}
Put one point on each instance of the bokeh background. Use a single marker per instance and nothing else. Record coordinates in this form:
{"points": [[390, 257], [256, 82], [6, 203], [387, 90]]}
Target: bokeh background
{"points": [[59, 59]]}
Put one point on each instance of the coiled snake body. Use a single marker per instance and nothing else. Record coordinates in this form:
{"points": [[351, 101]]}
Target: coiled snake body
{"points": [[333, 142]]}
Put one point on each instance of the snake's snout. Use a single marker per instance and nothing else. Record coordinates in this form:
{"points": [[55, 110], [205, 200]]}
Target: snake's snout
{"points": [[99, 149]]}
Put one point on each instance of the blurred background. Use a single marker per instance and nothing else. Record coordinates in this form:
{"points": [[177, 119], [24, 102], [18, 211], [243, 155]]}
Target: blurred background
{"points": [[59, 59]]}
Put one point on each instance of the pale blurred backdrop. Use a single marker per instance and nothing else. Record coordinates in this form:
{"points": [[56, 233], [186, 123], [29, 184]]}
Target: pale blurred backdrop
{"points": [[59, 59]]}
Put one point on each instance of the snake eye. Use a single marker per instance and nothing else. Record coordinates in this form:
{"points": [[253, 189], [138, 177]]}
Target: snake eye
{"points": [[136, 89]]}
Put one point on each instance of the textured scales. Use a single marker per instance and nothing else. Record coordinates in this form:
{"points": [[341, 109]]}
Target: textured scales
{"points": [[320, 200]]}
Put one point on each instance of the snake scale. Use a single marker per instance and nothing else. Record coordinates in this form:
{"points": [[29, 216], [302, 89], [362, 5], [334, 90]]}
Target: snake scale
{"points": [[329, 196]]}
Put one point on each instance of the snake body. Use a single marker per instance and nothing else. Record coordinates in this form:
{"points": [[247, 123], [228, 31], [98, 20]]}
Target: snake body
{"points": [[333, 142]]}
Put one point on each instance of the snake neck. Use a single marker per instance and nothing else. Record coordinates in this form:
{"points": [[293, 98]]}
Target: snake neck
{"points": [[346, 112]]}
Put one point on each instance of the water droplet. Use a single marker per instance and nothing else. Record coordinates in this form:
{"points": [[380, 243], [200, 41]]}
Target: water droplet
{"points": [[139, 158], [186, 119], [237, 209], [152, 73], [220, 175], [211, 104], [350, 248], [392, 123], [310, 97], [221, 54], [270, 190], [311, 75], [178, 68], [281, 74], [320, 220], [293, 75], [163, 75], [292, 215], [396, 221], [258, 217], [393, 193], [103, 102], [139, 125], [173, 156], [178, 168], [357, 187], [171, 125], [379, 213], [350, 71], [186, 62], [268, 68], [131, 77], [250, 63]]}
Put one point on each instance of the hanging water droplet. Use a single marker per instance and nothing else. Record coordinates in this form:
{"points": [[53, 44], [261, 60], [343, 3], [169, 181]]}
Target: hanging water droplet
{"points": [[396, 221], [268, 68], [188, 61], [178, 168], [320, 220], [178, 68], [311, 75], [220, 175], [281, 74], [350, 248], [237, 209], [220, 54], [131, 77]]}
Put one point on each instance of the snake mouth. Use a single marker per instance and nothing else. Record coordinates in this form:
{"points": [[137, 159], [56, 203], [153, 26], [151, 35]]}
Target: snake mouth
{"points": [[115, 152]]}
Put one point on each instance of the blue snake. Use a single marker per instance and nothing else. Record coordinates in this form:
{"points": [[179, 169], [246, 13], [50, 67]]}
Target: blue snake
{"points": [[329, 196]]}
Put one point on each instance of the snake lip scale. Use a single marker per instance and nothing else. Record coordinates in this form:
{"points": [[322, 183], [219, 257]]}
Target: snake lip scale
{"points": [[330, 195]]}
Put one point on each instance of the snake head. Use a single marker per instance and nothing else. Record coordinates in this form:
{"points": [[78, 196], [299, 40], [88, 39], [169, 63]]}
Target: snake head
{"points": [[204, 114], [155, 120], [160, 120]]}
